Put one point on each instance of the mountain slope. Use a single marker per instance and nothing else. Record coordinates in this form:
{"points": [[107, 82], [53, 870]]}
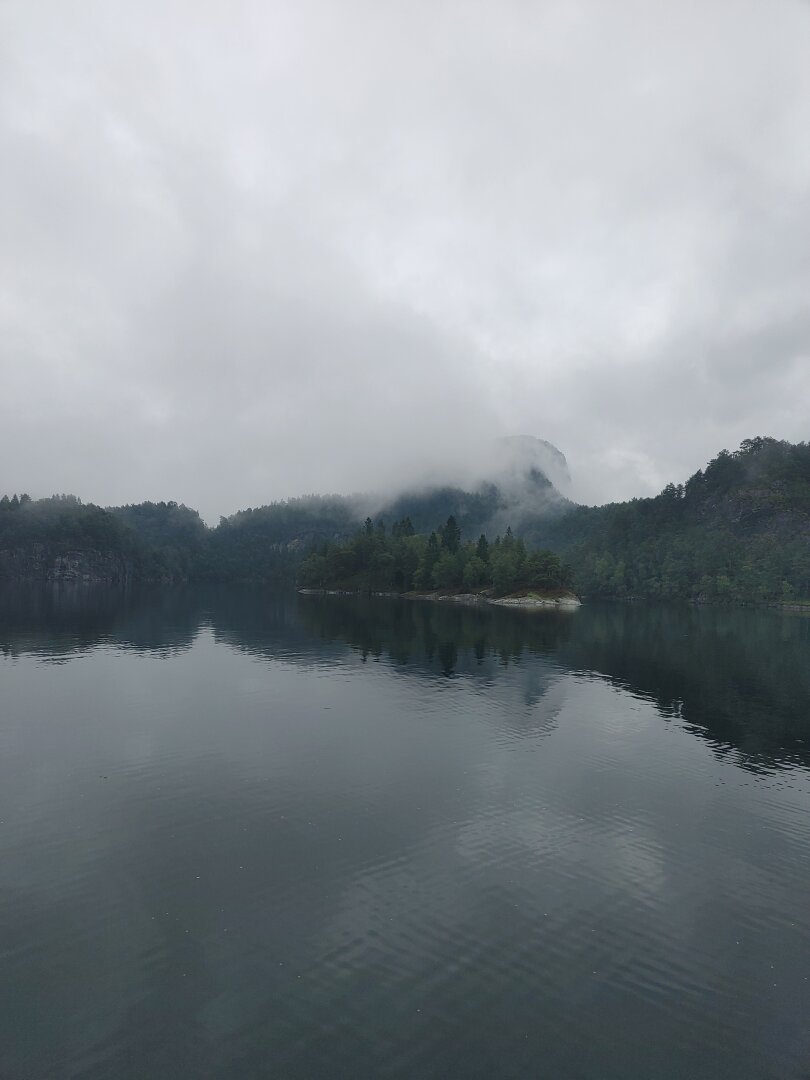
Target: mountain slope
{"points": [[737, 530]]}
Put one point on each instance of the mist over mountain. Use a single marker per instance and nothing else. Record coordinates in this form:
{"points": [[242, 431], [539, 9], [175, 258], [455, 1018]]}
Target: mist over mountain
{"points": [[520, 481], [521, 457]]}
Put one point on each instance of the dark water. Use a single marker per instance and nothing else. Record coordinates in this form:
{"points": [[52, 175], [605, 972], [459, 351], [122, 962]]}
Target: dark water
{"points": [[250, 836]]}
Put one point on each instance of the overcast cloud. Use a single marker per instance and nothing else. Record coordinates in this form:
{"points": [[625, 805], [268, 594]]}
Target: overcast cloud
{"points": [[249, 250]]}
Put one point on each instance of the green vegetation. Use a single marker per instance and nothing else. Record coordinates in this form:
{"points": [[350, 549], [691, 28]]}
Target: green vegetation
{"points": [[150, 541], [376, 561], [269, 542], [169, 538], [165, 541], [737, 531], [62, 523]]}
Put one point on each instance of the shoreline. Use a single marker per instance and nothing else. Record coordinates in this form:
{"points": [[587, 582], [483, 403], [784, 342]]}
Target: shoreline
{"points": [[564, 602], [524, 602]]}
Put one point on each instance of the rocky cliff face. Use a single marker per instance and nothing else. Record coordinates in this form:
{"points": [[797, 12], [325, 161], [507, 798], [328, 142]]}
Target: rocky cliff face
{"points": [[39, 563]]}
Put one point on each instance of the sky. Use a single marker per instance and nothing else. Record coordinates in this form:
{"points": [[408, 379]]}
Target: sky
{"points": [[253, 250]]}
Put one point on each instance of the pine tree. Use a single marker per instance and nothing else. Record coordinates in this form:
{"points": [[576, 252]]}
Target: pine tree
{"points": [[451, 535]]}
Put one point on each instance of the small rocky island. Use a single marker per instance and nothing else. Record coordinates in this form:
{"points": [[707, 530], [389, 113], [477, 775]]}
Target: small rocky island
{"points": [[440, 566]]}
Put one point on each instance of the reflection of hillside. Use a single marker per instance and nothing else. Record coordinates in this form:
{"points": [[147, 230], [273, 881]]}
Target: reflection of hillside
{"points": [[265, 624], [418, 638], [738, 678], [446, 638], [58, 621]]}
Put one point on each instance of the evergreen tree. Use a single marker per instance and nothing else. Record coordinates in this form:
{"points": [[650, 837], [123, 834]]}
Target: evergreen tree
{"points": [[451, 535]]}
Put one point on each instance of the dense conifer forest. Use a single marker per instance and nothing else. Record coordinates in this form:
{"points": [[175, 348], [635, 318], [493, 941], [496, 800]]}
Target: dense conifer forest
{"points": [[736, 531], [375, 560]]}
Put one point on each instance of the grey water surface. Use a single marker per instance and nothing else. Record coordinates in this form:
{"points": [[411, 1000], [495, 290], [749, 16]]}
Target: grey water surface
{"points": [[254, 835]]}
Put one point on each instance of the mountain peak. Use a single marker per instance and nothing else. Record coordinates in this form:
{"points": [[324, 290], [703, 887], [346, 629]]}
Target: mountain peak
{"points": [[522, 460]]}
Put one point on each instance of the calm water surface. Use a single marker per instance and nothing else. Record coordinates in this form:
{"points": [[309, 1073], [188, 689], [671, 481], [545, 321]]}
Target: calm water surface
{"points": [[244, 835]]}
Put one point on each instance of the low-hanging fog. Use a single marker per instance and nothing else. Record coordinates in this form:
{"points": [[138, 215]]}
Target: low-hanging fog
{"points": [[253, 250]]}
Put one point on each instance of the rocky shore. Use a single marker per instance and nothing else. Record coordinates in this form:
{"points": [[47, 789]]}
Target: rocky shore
{"points": [[526, 602]]}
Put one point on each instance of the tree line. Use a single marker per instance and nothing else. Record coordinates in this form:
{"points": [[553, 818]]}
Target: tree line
{"points": [[399, 560], [736, 531]]}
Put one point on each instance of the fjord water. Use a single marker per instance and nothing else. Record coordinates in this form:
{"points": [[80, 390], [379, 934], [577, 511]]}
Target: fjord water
{"points": [[246, 835]]}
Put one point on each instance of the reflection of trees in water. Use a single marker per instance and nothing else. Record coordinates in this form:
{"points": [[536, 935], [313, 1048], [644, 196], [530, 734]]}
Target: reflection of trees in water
{"points": [[56, 622], [441, 640], [443, 637], [739, 678], [266, 624]]}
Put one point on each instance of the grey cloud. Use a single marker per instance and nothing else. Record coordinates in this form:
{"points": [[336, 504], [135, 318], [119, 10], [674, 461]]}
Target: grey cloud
{"points": [[252, 250]]}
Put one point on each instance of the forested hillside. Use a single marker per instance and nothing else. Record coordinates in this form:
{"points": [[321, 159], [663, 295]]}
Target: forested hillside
{"points": [[738, 530], [268, 543], [62, 538]]}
